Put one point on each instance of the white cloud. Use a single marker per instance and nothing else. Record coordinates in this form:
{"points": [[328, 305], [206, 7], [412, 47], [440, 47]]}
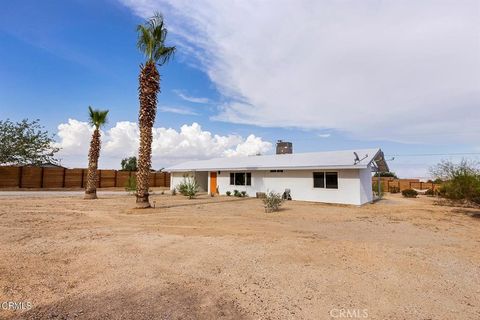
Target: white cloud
{"points": [[169, 145], [399, 70], [178, 110], [324, 135], [190, 98], [251, 146]]}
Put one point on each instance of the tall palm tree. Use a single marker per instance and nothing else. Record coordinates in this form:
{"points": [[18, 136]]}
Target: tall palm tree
{"points": [[151, 42], [97, 118]]}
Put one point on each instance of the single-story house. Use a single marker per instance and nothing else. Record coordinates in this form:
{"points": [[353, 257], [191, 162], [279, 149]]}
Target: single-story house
{"points": [[343, 177]]}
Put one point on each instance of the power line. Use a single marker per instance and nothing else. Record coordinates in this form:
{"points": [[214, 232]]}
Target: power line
{"points": [[433, 154]]}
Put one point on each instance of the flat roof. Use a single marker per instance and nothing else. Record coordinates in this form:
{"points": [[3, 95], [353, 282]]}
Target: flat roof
{"points": [[344, 159]]}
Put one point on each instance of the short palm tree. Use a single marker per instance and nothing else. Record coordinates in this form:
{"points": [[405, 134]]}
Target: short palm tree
{"points": [[97, 118], [151, 42]]}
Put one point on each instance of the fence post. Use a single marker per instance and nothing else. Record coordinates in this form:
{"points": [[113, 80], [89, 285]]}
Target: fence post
{"points": [[20, 176], [41, 177], [81, 180]]}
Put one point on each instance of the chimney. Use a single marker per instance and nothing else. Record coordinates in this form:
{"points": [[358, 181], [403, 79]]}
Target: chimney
{"points": [[284, 147]]}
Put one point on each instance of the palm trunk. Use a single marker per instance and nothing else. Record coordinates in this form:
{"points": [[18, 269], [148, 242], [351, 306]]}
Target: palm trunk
{"points": [[92, 176], [149, 86]]}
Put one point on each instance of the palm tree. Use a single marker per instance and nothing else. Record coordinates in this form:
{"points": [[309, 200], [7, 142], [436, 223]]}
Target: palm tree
{"points": [[151, 42], [97, 118]]}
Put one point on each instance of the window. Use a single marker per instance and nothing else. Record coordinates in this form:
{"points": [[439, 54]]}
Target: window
{"points": [[331, 180], [240, 178], [276, 170], [327, 180], [319, 180]]}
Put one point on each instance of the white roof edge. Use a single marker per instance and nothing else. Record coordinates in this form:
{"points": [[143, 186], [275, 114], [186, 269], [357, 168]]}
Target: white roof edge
{"points": [[341, 159], [271, 168]]}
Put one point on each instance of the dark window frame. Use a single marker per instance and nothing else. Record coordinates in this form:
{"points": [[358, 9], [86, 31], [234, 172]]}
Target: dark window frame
{"points": [[237, 177], [320, 180], [331, 184]]}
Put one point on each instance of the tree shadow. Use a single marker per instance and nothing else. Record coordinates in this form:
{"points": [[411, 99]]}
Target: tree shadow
{"points": [[473, 213], [173, 302]]}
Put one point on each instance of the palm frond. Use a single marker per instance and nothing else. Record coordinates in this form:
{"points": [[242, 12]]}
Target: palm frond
{"points": [[151, 40], [97, 118]]}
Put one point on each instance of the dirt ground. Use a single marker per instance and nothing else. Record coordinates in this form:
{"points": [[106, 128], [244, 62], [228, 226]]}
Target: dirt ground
{"points": [[224, 258]]}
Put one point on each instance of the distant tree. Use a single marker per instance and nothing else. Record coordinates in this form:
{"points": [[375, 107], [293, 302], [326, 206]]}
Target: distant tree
{"points": [[25, 142], [386, 174], [129, 164], [97, 118]]}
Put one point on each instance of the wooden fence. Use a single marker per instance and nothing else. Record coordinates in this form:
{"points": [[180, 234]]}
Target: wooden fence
{"points": [[46, 177], [388, 184]]}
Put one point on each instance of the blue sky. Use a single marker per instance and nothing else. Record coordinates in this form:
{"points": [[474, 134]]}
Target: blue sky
{"points": [[236, 78]]}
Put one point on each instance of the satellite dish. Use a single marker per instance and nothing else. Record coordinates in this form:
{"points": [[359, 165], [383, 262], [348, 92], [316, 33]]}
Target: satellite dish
{"points": [[357, 159]]}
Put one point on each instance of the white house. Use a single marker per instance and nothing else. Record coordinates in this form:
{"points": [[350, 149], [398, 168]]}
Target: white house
{"points": [[343, 177]]}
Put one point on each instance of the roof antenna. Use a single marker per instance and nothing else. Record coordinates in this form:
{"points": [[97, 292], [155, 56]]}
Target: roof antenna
{"points": [[357, 159]]}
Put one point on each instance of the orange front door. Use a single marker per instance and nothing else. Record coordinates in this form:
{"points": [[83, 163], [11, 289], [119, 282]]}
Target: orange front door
{"points": [[213, 182]]}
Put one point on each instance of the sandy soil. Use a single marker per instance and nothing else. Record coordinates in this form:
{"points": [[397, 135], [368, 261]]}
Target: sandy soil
{"points": [[224, 258]]}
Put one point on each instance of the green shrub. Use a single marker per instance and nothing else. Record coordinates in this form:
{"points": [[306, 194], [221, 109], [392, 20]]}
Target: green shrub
{"points": [[228, 193], [460, 181], [409, 193], [430, 192], [188, 187], [375, 189], [244, 193], [272, 201], [236, 193], [131, 185]]}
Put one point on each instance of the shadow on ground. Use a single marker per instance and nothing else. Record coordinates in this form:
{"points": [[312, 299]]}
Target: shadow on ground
{"points": [[469, 212], [170, 303]]}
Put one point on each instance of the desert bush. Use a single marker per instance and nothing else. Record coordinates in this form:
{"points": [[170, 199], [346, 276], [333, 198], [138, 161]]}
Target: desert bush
{"points": [[476, 200], [394, 189], [244, 193], [236, 193], [460, 181], [228, 193], [430, 192], [272, 201], [188, 187], [375, 189], [131, 185], [409, 193]]}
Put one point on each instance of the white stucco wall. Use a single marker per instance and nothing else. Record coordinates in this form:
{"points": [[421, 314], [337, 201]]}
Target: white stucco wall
{"points": [[177, 177], [366, 193], [354, 186]]}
